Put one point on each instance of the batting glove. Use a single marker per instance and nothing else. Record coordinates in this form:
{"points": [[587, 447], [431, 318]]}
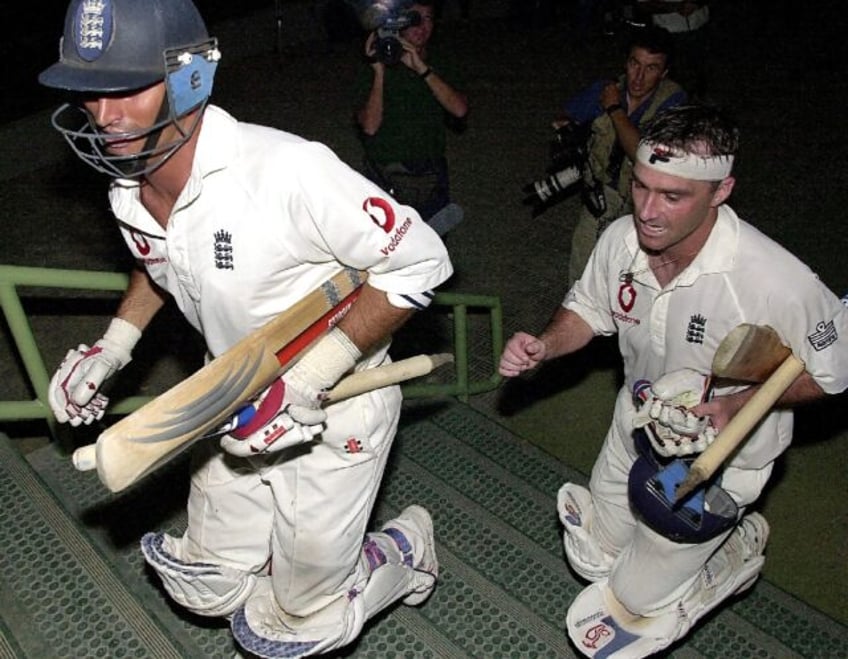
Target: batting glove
{"points": [[73, 393], [663, 411], [288, 412], [272, 423]]}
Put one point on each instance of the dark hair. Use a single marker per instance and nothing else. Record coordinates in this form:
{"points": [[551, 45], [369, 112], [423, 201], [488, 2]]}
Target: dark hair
{"points": [[655, 40], [701, 129]]}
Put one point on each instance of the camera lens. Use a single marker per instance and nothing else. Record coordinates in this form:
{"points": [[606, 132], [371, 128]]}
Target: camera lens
{"points": [[389, 50]]}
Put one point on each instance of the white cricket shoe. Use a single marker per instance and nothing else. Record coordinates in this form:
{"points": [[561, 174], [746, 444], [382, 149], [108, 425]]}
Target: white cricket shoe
{"points": [[416, 526], [747, 543]]}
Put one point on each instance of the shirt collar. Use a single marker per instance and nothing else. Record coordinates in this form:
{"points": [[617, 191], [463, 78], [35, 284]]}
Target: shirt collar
{"points": [[216, 146], [719, 252], [717, 255]]}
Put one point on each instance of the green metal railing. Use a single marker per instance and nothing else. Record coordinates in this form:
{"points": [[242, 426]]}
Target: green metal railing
{"points": [[14, 277]]}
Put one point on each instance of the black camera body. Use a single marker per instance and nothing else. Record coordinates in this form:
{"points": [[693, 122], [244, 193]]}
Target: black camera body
{"points": [[569, 151], [388, 48]]}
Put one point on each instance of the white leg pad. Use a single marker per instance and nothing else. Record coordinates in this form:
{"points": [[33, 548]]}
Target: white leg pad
{"points": [[206, 589], [599, 626], [574, 506], [397, 562], [263, 629]]}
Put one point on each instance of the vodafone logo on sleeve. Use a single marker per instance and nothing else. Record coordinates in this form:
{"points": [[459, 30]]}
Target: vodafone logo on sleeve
{"points": [[381, 212]]}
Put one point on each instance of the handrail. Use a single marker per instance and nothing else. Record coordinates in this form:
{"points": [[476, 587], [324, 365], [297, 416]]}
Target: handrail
{"points": [[13, 277]]}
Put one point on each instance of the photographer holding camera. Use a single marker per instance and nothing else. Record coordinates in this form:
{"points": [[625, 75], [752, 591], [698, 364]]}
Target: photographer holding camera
{"points": [[617, 112], [405, 103]]}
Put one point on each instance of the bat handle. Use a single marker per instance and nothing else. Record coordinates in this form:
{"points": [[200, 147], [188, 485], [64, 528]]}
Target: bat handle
{"points": [[741, 424], [85, 457], [383, 376]]}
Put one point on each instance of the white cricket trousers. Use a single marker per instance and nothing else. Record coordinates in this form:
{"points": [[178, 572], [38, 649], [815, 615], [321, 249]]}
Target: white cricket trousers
{"points": [[303, 511]]}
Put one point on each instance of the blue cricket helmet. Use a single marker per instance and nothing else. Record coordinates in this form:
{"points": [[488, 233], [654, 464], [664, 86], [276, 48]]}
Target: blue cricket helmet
{"points": [[119, 45]]}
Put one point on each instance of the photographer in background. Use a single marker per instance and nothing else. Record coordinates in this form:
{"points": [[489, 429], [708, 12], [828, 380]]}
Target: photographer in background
{"points": [[404, 101], [617, 111]]}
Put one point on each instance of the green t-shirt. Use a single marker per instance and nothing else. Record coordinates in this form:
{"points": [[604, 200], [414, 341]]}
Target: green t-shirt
{"points": [[413, 125]]}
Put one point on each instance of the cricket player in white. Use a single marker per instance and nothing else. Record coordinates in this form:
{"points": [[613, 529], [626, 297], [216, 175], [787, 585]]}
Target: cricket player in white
{"points": [[238, 222], [672, 281]]}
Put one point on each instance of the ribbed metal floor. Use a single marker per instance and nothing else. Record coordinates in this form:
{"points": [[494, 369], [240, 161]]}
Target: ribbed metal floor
{"points": [[74, 585]]}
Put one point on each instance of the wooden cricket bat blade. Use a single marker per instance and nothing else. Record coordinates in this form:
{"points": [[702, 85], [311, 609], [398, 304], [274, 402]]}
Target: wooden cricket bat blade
{"points": [[749, 353], [170, 423]]}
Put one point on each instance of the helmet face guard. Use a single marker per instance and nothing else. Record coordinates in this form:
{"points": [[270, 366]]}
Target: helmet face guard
{"points": [[114, 47], [188, 85]]}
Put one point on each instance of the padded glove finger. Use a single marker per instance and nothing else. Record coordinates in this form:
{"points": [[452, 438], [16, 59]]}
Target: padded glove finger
{"points": [[662, 410], [73, 393], [679, 419]]}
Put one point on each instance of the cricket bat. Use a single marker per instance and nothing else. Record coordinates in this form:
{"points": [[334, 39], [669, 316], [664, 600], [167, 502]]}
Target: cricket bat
{"points": [[752, 353], [749, 353], [383, 376], [170, 423], [360, 382]]}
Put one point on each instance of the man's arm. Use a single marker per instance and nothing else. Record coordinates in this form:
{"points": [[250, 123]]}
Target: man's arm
{"points": [[141, 301], [370, 116], [722, 409], [372, 319], [616, 108], [454, 102], [566, 332]]}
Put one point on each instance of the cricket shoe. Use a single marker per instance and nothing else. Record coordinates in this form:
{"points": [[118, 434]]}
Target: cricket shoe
{"points": [[412, 531], [746, 546]]}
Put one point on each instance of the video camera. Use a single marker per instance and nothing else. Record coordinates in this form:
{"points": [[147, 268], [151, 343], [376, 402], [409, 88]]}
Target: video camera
{"points": [[388, 47], [568, 152]]}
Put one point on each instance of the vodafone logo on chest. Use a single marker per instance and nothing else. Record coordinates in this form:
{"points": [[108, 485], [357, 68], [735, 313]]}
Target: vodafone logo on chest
{"points": [[140, 243], [626, 296], [143, 247], [626, 300]]}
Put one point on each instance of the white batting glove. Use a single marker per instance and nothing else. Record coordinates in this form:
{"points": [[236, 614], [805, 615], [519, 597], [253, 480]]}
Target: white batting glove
{"points": [[272, 423], [664, 413], [288, 412], [73, 393]]}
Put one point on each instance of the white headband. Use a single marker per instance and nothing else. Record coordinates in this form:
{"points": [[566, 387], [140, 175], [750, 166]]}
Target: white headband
{"points": [[685, 165]]}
